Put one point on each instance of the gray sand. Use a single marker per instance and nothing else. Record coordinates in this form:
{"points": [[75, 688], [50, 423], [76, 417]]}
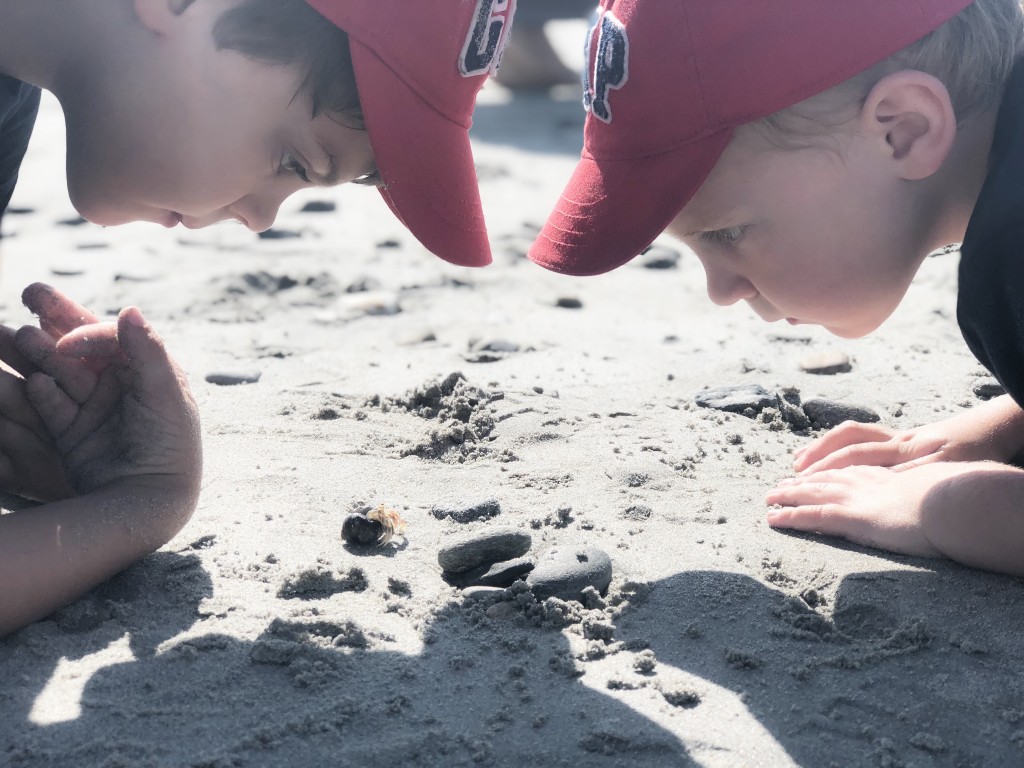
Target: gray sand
{"points": [[257, 638]]}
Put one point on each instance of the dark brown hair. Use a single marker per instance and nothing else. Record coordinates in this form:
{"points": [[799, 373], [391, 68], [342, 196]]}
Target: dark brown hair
{"points": [[289, 33]]}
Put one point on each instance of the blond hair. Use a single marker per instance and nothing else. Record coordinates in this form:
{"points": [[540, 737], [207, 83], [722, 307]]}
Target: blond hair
{"points": [[972, 54]]}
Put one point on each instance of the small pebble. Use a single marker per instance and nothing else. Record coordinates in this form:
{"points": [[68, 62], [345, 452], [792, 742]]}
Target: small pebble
{"points": [[986, 389], [825, 414], [318, 206], [566, 572], [231, 378], [826, 362], [490, 545], [738, 399], [369, 303], [569, 302], [660, 257], [279, 234]]}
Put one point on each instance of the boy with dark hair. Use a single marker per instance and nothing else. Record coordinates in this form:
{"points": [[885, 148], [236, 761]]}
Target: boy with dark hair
{"points": [[191, 112], [811, 155]]}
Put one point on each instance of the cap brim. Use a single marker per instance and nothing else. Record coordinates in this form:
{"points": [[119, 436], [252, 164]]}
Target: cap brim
{"points": [[610, 211], [426, 163]]}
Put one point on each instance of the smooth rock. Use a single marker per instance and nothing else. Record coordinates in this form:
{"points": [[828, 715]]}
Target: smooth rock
{"points": [[279, 234], [752, 397], [565, 572], [490, 545], [231, 378], [660, 257], [369, 303], [986, 389], [482, 510], [825, 414], [318, 206], [500, 574], [826, 362], [568, 302]]}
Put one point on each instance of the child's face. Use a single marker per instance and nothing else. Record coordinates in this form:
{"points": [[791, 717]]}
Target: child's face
{"points": [[810, 235], [197, 135]]}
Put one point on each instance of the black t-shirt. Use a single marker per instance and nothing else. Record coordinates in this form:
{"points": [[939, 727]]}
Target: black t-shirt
{"points": [[990, 302], [19, 103]]}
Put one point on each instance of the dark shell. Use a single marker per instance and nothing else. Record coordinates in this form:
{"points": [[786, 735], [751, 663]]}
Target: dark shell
{"points": [[360, 530]]}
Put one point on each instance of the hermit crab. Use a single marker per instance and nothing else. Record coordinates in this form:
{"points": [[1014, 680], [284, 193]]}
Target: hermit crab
{"points": [[379, 526]]}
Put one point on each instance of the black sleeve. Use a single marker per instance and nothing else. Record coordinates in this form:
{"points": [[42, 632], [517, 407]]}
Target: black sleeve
{"points": [[15, 131], [990, 305]]}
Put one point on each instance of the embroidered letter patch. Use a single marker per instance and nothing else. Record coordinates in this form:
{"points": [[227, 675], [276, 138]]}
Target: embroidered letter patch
{"points": [[486, 41], [611, 66]]}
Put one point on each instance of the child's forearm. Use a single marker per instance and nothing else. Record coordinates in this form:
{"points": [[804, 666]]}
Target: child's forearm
{"points": [[977, 518], [54, 553], [1004, 421]]}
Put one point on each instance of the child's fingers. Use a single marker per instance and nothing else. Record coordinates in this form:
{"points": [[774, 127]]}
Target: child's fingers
{"points": [[14, 404], [157, 374], [846, 434], [55, 408], [71, 373], [57, 312], [92, 414], [92, 341], [10, 355]]}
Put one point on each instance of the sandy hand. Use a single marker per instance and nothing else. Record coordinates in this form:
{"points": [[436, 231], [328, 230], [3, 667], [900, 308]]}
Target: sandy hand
{"points": [[29, 462], [993, 431], [115, 404]]}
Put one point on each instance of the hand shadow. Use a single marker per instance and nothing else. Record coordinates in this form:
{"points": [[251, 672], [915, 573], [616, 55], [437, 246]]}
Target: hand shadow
{"points": [[896, 668], [318, 690], [135, 611]]}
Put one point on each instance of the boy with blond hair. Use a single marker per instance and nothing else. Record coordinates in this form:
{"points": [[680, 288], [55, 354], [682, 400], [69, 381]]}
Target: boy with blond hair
{"points": [[192, 112], [811, 154]]}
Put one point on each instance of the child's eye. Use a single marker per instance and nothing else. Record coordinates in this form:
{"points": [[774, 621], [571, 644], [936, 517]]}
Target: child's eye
{"points": [[372, 179], [727, 236], [291, 165]]}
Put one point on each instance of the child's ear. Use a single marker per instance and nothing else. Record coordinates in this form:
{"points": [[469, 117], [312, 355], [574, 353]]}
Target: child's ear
{"points": [[913, 114], [159, 15]]}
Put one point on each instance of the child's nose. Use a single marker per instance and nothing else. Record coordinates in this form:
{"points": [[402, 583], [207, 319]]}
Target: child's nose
{"points": [[258, 213], [725, 288]]}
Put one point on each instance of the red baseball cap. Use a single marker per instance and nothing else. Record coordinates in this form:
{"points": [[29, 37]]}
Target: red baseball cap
{"points": [[666, 83], [419, 65]]}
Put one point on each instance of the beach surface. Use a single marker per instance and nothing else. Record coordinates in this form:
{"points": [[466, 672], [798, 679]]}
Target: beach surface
{"points": [[372, 373]]}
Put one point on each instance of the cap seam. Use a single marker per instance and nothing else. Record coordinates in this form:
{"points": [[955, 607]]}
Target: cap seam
{"points": [[696, 67]]}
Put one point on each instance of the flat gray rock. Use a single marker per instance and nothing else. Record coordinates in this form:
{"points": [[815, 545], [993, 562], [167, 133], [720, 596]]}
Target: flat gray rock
{"points": [[825, 414], [490, 545], [468, 513], [564, 572], [232, 378], [500, 574], [741, 399]]}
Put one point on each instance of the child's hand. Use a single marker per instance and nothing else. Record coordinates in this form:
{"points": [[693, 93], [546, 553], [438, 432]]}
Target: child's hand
{"points": [[30, 465], [868, 505], [993, 431], [115, 404], [966, 511]]}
